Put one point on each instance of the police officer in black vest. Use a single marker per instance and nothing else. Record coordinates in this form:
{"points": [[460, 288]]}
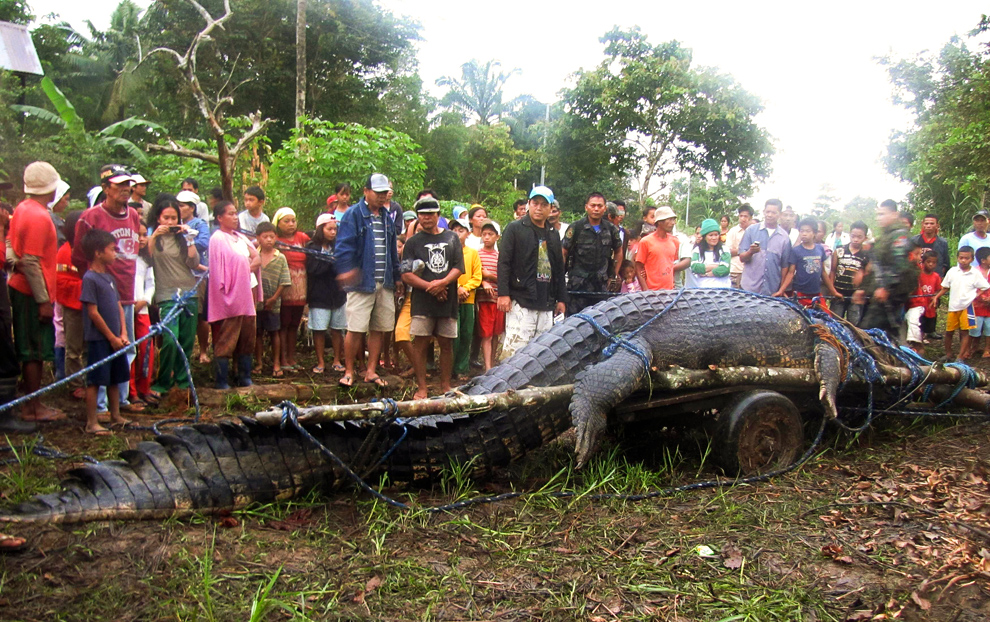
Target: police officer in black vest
{"points": [[592, 255]]}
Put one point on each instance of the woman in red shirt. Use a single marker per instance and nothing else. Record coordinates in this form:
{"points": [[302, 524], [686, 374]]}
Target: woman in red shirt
{"points": [[294, 296]]}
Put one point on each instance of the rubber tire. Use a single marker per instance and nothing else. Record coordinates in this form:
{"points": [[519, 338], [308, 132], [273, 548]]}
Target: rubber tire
{"points": [[757, 432]]}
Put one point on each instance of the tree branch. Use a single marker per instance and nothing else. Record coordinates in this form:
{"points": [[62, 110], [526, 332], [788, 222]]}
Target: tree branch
{"points": [[175, 149], [258, 126]]}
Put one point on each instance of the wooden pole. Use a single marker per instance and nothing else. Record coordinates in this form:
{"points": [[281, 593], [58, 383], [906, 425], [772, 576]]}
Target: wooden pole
{"points": [[673, 379]]}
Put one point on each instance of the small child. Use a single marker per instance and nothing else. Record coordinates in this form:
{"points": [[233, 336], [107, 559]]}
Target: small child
{"points": [[807, 275], [274, 279], [325, 298], [144, 296], [403, 321], [929, 283], [982, 307], [629, 281], [962, 283], [491, 321], [104, 329], [467, 283]]}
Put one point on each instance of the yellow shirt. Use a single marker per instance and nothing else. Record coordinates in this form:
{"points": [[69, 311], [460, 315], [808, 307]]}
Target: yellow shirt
{"points": [[471, 279]]}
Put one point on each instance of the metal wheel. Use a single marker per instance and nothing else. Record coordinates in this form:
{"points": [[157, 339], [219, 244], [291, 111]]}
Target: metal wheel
{"points": [[756, 432]]}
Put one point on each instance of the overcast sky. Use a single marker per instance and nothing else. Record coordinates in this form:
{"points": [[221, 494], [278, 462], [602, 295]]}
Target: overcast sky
{"points": [[828, 102]]}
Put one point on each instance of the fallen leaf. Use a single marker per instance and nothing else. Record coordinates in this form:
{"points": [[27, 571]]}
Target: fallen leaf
{"points": [[372, 584], [732, 557], [921, 602], [228, 522]]}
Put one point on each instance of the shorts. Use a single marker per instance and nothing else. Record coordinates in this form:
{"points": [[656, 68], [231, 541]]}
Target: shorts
{"points": [[403, 323], [928, 324], [736, 279], [423, 326], [912, 317], [269, 321], [982, 328], [290, 316], [491, 321], [958, 320], [523, 325], [110, 373], [374, 311], [34, 339], [322, 319]]}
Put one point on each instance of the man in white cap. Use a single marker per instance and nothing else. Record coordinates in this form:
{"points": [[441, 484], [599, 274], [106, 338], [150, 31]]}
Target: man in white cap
{"points": [[34, 244], [368, 267], [658, 256], [123, 222], [531, 285], [139, 190]]}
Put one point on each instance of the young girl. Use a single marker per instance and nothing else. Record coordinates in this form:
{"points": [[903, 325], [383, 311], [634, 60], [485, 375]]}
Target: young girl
{"points": [[709, 259], [629, 281], [294, 297], [68, 287], [144, 297], [326, 299], [342, 200]]}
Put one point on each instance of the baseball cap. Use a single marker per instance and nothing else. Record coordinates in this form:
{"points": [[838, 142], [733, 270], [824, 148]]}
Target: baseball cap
{"points": [[40, 178], [323, 219], [60, 189], [187, 196], [491, 224], [426, 204], [460, 222], [114, 174], [542, 191], [980, 214], [408, 215], [139, 179], [377, 183], [459, 210]]}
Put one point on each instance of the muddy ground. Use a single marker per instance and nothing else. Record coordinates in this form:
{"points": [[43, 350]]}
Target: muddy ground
{"points": [[892, 524]]}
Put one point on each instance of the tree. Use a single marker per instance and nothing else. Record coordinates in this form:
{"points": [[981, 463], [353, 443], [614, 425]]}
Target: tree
{"points": [[491, 163], [15, 12], [707, 200], [479, 91], [321, 154], [211, 108], [666, 116], [300, 59], [821, 207]]}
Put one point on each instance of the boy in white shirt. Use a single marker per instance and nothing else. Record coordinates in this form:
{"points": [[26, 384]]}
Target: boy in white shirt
{"points": [[962, 284]]}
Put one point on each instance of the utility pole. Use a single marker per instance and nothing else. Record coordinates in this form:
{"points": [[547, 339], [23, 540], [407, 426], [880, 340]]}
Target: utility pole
{"points": [[300, 60], [687, 215], [546, 130]]}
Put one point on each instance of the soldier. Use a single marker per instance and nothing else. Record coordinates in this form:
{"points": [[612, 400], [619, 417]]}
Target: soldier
{"points": [[892, 276], [592, 255]]}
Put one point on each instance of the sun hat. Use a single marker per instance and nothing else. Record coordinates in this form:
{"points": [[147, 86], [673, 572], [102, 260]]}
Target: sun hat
{"points": [[664, 212], [708, 225], [281, 213], [40, 178]]}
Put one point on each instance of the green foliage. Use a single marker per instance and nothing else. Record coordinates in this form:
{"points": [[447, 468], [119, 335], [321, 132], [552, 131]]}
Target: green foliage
{"points": [[707, 200], [479, 91], [657, 112], [15, 11], [491, 164], [321, 154]]}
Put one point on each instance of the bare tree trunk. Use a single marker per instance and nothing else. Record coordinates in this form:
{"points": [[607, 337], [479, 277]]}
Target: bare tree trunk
{"points": [[300, 60]]}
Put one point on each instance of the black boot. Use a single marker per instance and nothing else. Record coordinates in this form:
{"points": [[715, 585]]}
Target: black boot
{"points": [[223, 372], [10, 423], [244, 363]]}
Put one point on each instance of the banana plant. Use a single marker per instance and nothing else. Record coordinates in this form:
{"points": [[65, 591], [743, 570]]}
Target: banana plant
{"points": [[68, 119]]}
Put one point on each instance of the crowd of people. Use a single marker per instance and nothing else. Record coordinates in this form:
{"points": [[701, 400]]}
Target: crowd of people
{"points": [[389, 285]]}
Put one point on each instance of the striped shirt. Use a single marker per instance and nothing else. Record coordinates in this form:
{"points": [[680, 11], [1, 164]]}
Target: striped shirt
{"points": [[489, 263], [379, 230]]}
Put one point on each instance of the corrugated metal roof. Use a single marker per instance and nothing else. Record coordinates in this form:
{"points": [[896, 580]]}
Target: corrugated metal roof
{"points": [[17, 51]]}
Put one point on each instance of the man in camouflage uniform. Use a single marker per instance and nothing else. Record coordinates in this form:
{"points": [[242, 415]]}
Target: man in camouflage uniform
{"points": [[892, 276], [592, 255]]}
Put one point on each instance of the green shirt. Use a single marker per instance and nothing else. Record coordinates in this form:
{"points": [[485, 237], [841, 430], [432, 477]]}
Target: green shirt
{"points": [[274, 274]]}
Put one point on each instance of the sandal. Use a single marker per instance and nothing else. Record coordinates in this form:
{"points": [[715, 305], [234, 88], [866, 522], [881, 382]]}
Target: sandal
{"points": [[100, 432], [346, 381], [132, 408], [278, 373], [378, 381], [339, 368], [319, 369], [11, 544], [151, 399]]}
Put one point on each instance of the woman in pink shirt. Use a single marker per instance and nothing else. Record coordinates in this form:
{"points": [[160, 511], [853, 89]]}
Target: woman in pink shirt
{"points": [[235, 287]]}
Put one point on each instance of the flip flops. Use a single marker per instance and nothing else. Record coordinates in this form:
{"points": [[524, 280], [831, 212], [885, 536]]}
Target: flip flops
{"points": [[11, 544], [346, 381], [377, 381]]}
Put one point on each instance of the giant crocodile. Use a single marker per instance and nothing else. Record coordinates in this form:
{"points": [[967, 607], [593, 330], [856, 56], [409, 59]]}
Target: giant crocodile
{"points": [[208, 468]]}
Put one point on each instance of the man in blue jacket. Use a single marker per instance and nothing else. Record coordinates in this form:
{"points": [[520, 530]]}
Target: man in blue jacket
{"points": [[368, 268]]}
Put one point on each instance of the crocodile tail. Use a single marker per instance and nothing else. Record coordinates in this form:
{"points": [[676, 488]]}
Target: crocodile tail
{"points": [[198, 469], [600, 388]]}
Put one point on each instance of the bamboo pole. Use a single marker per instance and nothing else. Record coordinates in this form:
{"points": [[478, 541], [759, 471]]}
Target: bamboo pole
{"points": [[672, 379]]}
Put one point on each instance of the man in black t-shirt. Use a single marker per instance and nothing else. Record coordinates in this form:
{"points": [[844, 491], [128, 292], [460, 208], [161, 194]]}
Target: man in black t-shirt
{"points": [[431, 262]]}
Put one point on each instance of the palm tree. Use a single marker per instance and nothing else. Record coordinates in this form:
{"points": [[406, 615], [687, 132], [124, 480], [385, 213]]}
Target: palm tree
{"points": [[479, 91]]}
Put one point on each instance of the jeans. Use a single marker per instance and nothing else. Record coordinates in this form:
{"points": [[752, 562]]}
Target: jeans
{"points": [[844, 308]]}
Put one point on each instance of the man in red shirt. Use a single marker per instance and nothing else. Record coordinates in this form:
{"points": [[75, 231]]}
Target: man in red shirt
{"points": [[34, 244], [658, 255], [114, 216]]}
